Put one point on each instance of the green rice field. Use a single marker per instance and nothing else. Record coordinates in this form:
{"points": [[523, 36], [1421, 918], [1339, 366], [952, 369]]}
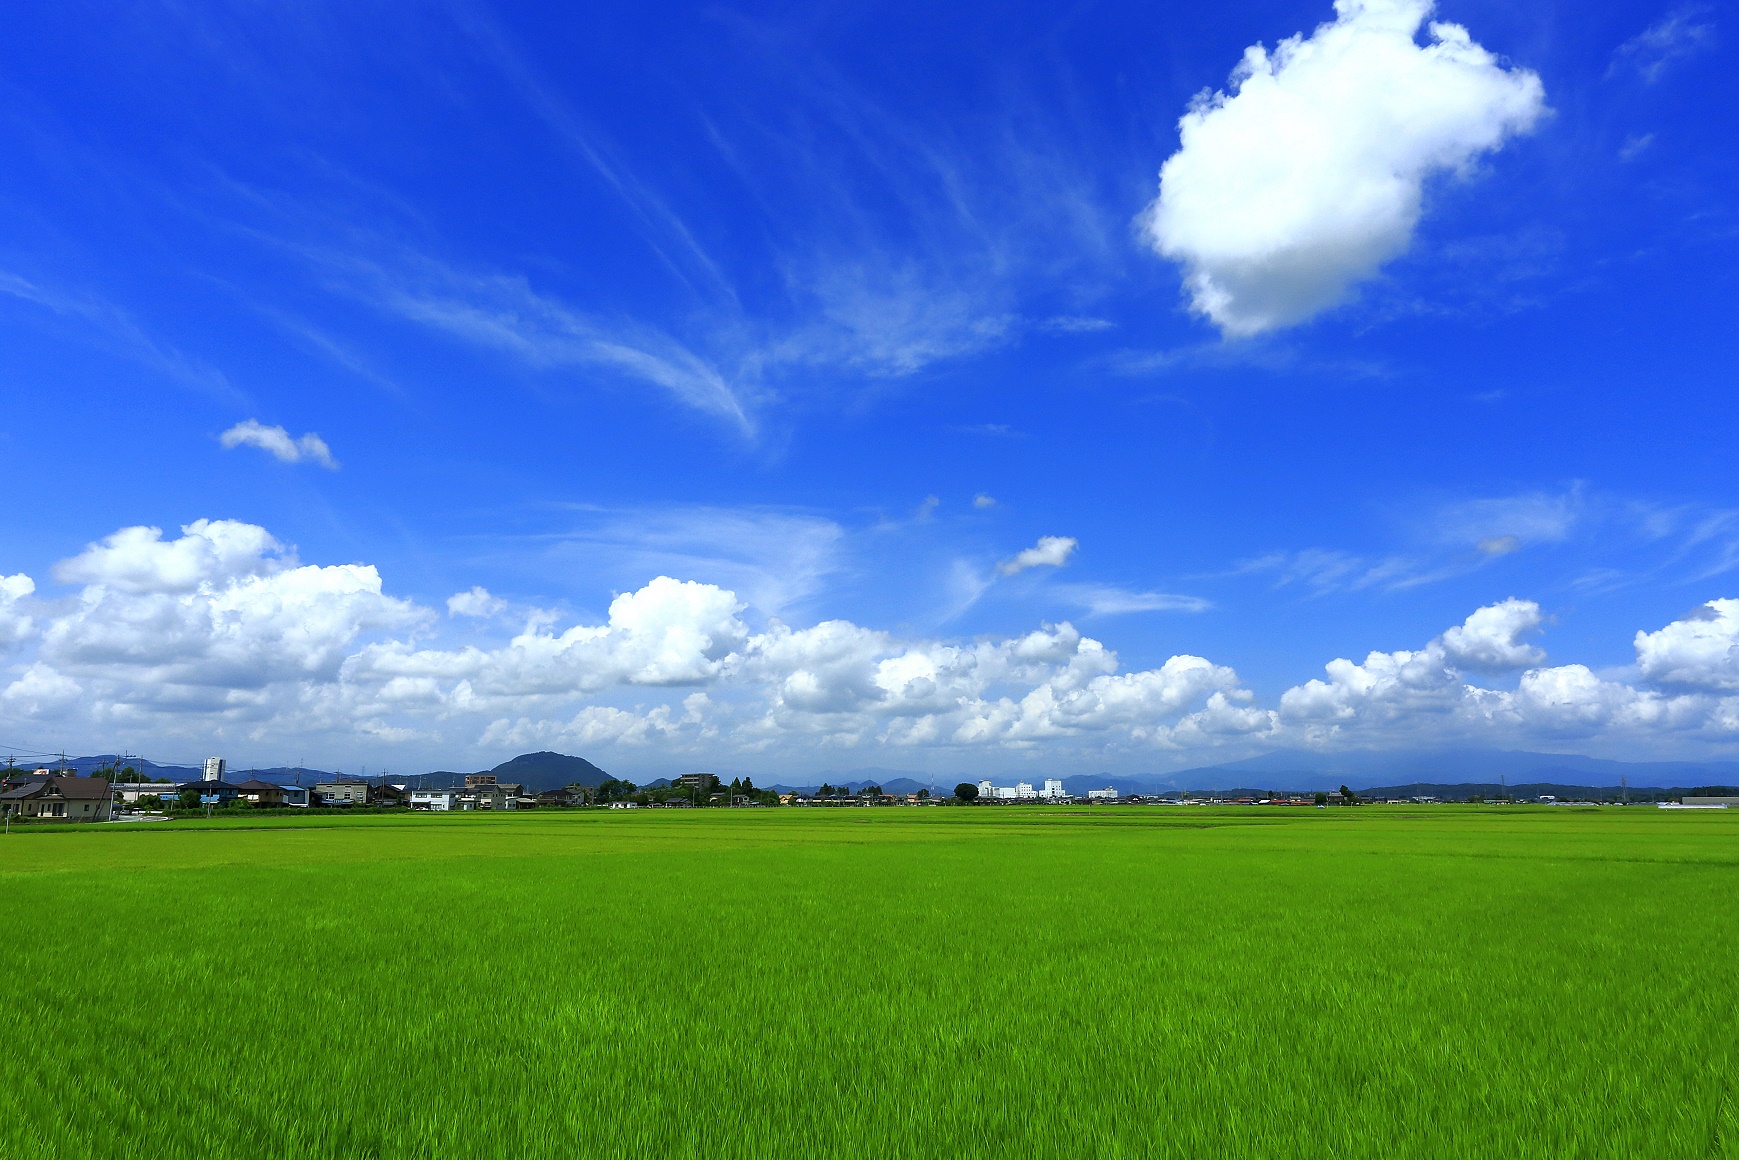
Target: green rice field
{"points": [[1035, 982]]}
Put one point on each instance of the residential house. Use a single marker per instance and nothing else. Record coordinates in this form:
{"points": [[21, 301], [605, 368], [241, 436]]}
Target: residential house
{"points": [[343, 792], [261, 793], [438, 800], [568, 795], [211, 793], [17, 777], [59, 799], [490, 795]]}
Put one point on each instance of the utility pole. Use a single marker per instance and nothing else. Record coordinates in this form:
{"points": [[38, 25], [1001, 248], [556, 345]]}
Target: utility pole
{"points": [[1624, 787]]}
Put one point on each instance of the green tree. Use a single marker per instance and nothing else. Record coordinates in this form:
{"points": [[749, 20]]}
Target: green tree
{"points": [[923, 795], [614, 789], [966, 792], [1321, 798], [1348, 796]]}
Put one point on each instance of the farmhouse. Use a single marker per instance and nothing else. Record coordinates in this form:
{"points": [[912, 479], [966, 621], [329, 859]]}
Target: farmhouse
{"points": [[59, 799]]}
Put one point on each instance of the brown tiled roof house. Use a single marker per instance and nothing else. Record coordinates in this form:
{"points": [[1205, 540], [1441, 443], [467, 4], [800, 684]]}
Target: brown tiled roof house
{"points": [[59, 799]]}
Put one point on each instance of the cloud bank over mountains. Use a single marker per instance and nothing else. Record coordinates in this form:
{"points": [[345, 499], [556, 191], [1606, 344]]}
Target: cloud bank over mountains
{"points": [[1310, 174], [222, 636]]}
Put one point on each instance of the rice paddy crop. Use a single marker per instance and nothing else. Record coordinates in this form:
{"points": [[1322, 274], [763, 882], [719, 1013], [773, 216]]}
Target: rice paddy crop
{"points": [[1378, 982]]}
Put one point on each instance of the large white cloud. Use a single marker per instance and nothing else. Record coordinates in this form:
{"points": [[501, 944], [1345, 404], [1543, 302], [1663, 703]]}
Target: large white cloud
{"points": [[139, 559], [207, 621], [1407, 685], [1491, 638], [1309, 175], [1413, 697], [1700, 651]]}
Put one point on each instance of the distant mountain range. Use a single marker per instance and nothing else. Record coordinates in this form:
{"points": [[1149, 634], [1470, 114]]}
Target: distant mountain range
{"points": [[1486, 771], [1435, 773], [1363, 769], [152, 771]]}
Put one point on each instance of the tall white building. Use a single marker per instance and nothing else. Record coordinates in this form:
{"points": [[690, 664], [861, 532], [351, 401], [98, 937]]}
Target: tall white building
{"points": [[986, 790], [213, 769], [1024, 791], [1053, 788]]}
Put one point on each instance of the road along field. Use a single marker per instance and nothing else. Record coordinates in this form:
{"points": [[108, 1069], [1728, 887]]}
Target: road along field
{"points": [[1383, 982]]}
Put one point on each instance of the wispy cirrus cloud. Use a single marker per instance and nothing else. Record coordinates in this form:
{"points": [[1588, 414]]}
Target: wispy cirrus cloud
{"points": [[120, 332], [1603, 542], [1682, 33], [1110, 600], [503, 312], [777, 558]]}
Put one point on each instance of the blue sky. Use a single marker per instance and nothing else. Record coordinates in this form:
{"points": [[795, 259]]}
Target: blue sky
{"points": [[830, 313]]}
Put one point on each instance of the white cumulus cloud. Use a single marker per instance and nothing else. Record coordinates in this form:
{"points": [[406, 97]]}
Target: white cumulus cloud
{"points": [[221, 632], [15, 624], [1491, 638], [280, 444], [1049, 552], [1308, 176], [477, 602], [1699, 651]]}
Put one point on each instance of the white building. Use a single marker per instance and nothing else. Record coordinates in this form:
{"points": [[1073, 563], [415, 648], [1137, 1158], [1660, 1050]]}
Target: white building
{"points": [[1053, 788], [1003, 793], [435, 799], [131, 791], [1101, 795], [213, 769], [986, 790], [1023, 791]]}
